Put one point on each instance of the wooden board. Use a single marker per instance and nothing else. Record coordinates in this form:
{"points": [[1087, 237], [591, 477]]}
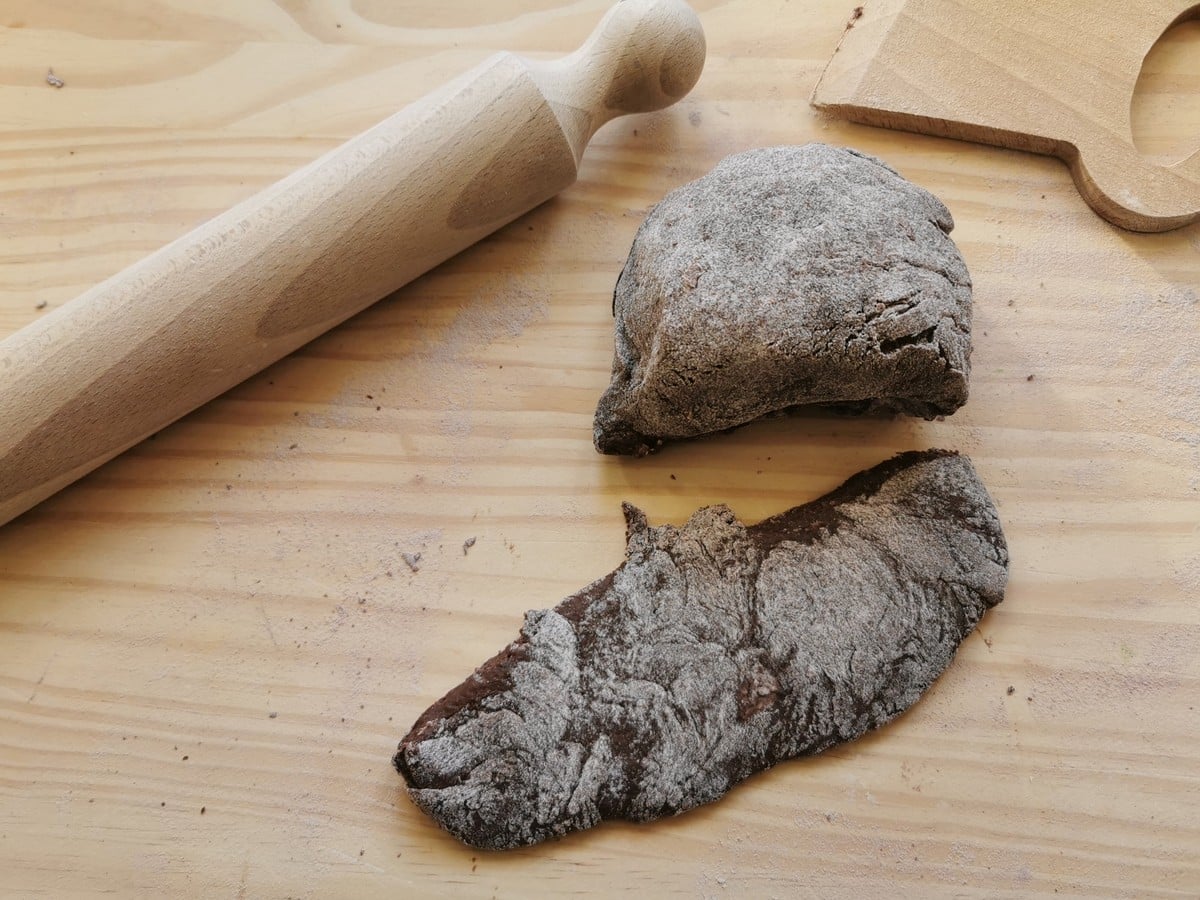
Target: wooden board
{"points": [[209, 647], [1040, 75]]}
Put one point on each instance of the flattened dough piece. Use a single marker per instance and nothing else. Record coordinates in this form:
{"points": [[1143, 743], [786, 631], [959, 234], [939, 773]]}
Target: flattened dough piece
{"points": [[713, 652], [786, 277]]}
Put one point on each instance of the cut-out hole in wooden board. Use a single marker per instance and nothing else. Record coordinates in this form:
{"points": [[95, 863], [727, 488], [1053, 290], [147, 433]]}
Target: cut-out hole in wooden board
{"points": [[1168, 94]]}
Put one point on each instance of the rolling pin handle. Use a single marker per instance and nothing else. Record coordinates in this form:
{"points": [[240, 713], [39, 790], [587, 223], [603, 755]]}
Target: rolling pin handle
{"points": [[643, 56]]}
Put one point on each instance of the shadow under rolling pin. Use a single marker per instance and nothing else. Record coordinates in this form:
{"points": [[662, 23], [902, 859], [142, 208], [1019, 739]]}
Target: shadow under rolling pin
{"points": [[226, 300]]}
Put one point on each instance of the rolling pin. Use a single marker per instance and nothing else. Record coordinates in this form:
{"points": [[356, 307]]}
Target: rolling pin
{"points": [[135, 353]]}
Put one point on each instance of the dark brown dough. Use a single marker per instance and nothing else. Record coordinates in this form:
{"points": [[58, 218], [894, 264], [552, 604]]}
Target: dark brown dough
{"points": [[787, 276], [713, 652]]}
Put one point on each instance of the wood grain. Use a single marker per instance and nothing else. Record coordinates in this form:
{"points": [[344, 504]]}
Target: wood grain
{"points": [[1032, 75], [247, 560]]}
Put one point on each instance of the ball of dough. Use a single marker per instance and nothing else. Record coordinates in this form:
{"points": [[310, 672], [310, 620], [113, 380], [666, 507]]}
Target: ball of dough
{"points": [[788, 276]]}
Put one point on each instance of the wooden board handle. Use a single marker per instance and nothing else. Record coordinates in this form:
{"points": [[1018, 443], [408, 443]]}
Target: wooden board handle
{"points": [[1034, 75], [171, 332]]}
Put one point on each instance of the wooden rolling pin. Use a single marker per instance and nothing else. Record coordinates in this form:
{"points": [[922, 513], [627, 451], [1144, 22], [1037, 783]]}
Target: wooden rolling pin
{"points": [[224, 301]]}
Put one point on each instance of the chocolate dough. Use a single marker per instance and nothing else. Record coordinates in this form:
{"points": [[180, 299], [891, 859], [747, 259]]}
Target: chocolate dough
{"points": [[786, 277], [713, 652]]}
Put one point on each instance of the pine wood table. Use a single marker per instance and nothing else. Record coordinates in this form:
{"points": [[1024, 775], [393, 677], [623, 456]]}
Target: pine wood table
{"points": [[210, 646]]}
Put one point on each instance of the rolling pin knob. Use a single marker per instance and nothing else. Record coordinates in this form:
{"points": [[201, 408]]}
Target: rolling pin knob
{"points": [[643, 56], [205, 312], [647, 53]]}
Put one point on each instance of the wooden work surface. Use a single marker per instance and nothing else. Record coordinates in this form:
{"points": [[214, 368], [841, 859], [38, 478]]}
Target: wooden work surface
{"points": [[210, 647]]}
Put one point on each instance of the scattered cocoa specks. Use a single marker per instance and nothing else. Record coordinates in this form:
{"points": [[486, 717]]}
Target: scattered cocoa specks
{"points": [[855, 15], [41, 304], [293, 446], [673, 478], [202, 809], [1029, 378], [53, 80], [412, 560], [468, 544], [272, 715], [1011, 690]]}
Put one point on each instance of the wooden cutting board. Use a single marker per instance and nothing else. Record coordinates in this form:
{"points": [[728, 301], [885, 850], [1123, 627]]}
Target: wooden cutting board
{"points": [[209, 647], [1047, 76]]}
